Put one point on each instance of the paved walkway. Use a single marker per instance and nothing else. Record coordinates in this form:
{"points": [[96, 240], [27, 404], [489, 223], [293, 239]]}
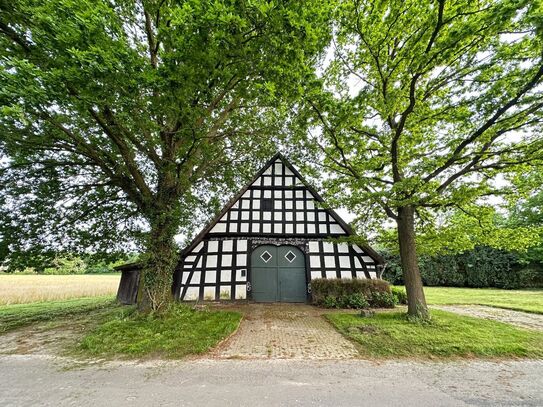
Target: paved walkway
{"points": [[518, 318], [285, 331]]}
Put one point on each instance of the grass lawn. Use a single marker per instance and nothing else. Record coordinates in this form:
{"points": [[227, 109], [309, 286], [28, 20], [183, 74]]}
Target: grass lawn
{"points": [[17, 315], [522, 300], [27, 288], [181, 331], [389, 335]]}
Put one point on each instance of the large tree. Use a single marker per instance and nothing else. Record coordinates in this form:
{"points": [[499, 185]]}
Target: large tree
{"points": [[427, 105], [113, 112]]}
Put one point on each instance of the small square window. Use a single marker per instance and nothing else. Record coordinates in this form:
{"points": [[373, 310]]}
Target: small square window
{"points": [[267, 204]]}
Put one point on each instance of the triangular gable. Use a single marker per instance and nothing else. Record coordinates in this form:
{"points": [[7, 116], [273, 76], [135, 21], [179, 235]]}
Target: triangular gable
{"points": [[278, 202]]}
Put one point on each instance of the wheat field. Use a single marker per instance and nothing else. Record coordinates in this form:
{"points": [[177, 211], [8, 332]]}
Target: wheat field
{"points": [[21, 289]]}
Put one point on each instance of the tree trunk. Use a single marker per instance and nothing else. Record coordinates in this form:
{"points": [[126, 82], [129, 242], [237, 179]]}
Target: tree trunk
{"points": [[416, 301], [155, 290], [162, 256]]}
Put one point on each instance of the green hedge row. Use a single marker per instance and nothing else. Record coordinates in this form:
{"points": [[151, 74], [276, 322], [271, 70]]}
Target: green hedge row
{"points": [[480, 267], [353, 293]]}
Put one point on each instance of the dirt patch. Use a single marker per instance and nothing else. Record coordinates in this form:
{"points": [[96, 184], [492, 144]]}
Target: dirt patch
{"points": [[517, 318], [50, 338]]}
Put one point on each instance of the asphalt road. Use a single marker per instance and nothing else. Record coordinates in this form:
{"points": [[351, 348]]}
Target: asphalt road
{"points": [[35, 380]]}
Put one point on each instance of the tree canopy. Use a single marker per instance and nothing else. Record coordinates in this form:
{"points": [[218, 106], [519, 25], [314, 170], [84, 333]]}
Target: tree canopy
{"points": [[119, 116], [427, 105]]}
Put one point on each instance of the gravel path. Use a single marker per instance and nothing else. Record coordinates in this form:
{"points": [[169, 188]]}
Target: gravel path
{"points": [[518, 318], [33, 380], [285, 331]]}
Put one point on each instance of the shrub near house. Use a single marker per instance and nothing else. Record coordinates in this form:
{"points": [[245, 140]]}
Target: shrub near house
{"points": [[353, 293]]}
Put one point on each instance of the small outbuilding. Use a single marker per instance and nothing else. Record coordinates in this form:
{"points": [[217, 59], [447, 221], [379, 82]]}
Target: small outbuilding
{"points": [[266, 245]]}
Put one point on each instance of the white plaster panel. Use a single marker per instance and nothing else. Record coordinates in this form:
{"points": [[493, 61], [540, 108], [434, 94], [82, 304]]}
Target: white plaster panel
{"points": [[329, 261], [211, 261], [331, 274], [225, 292], [226, 276], [335, 228], [289, 228], [310, 228], [346, 274], [277, 228], [244, 228], [195, 278], [266, 228], [299, 228], [241, 292], [210, 276], [344, 262], [227, 245], [209, 293], [219, 228], [192, 294], [314, 247], [315, 274], [242, 245], [241, 259], [314, 261], [213, 246], [226, 260]]}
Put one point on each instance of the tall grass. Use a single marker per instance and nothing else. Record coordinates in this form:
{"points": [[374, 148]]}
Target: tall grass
{"points": [[23, 289]]}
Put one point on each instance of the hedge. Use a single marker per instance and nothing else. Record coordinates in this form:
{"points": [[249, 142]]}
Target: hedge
{"points": [[352, 293], [480, 267]]}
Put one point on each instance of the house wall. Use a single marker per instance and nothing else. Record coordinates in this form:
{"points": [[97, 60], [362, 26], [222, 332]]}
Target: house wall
{"points": [[219, 269]]}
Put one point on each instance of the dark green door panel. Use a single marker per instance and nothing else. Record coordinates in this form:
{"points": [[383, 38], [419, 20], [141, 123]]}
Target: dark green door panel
{"points": [[292, 285], [278, 274]]}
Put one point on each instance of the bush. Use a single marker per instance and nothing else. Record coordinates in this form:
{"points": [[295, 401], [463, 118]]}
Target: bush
{"points": [[347, 293], [382, 300], [481, 267], [400, 295]]}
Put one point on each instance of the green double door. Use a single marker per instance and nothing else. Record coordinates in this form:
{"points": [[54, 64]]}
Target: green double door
{"points": [[278, 274]]}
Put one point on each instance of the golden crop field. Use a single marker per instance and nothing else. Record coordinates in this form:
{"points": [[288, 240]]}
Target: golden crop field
{"points": [[19, 289]]}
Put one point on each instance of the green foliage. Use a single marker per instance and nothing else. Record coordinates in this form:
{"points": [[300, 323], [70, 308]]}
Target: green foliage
{"points": [[391, 335], [351, 293], [354, 301], [66, 265], [427, 106], [521, 300], [175, 333], [120, 120], [18, 315], [400, 296], [382, 300], [481, 267]]}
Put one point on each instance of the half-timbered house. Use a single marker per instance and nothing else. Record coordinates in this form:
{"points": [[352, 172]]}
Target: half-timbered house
{"points": [[267, 244]]}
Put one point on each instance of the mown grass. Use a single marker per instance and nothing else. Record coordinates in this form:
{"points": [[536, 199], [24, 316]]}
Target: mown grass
{"points": [[391, 335], [521, 300], [179, 332], [18, 315], [21, 289]]}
